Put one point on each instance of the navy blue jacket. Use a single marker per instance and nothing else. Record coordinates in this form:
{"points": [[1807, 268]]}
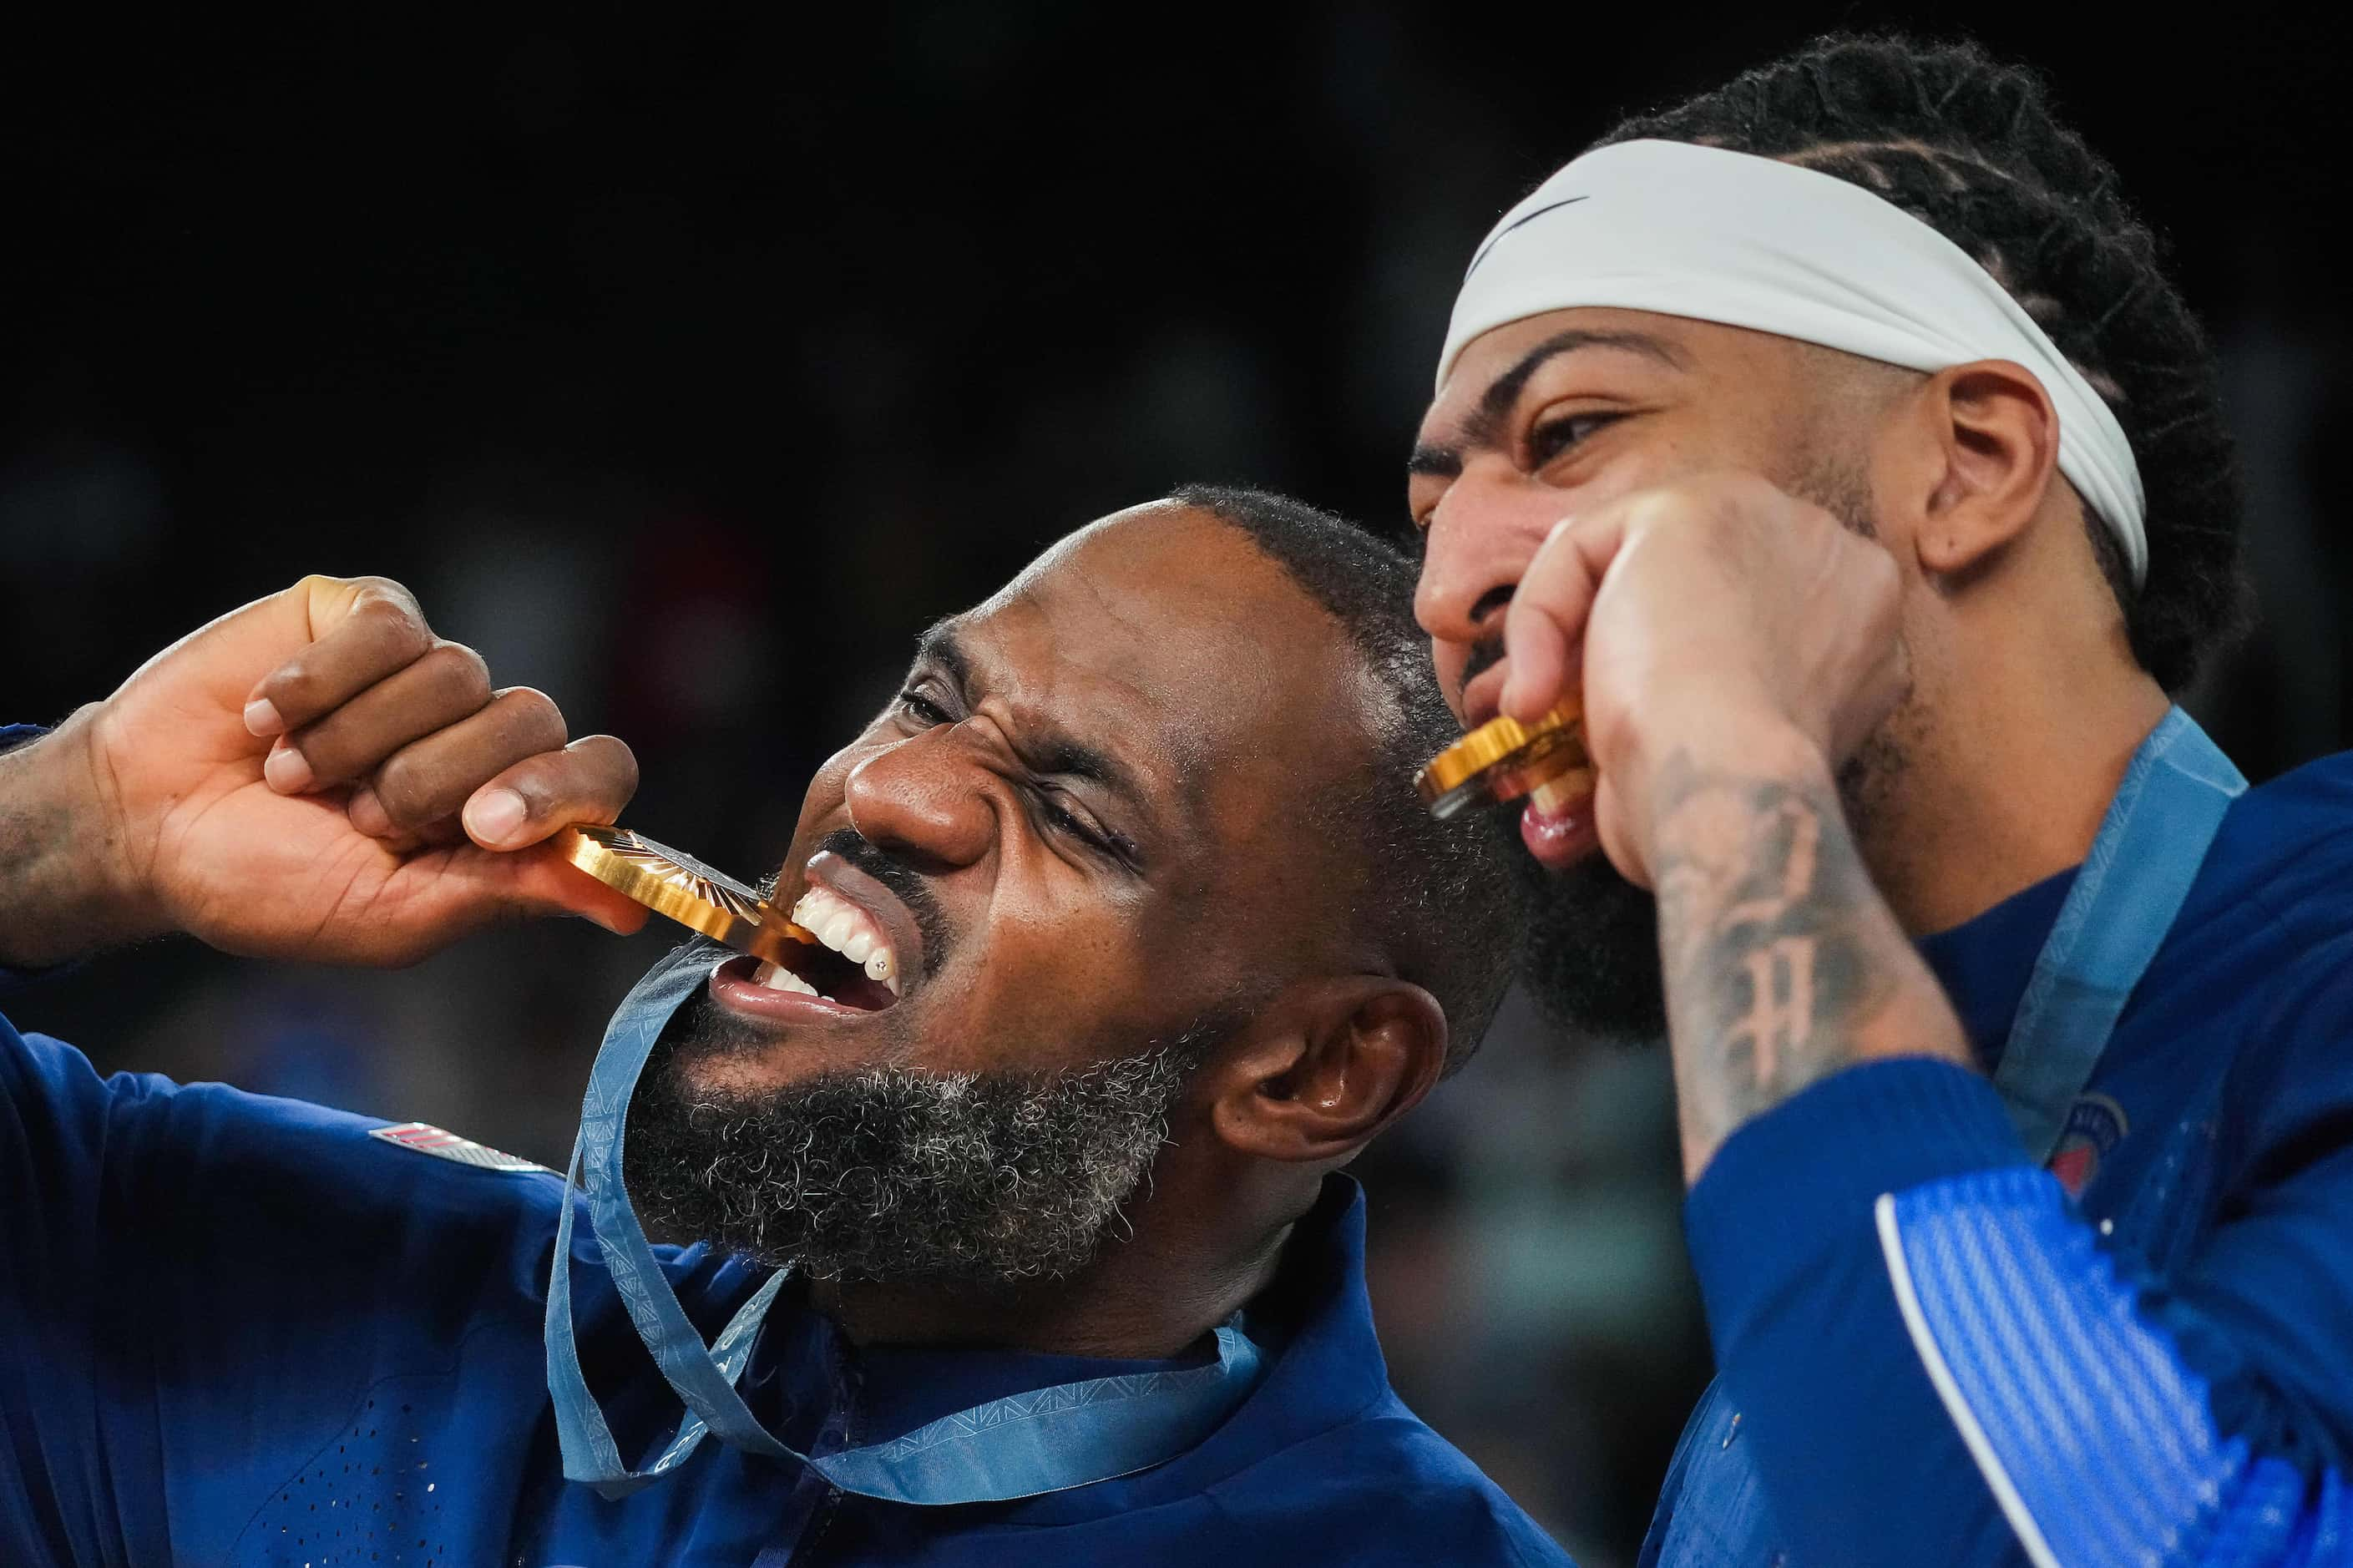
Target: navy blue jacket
{"points": [[1931, 1352], [242, 1331]]}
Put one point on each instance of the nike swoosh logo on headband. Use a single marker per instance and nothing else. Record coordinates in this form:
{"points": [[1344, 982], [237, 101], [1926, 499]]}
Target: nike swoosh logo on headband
{"points": [[1528, 218]]}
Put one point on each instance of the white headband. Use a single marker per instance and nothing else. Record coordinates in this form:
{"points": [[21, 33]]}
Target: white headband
{"points": [[1718, 235]]}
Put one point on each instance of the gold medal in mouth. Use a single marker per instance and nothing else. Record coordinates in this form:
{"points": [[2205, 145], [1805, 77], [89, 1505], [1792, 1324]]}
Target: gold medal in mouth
{"points": [[1503, 759], [671, 883]]}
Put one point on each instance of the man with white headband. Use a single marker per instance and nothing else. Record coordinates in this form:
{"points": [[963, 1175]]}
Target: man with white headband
{"points": [[1835, 441]]}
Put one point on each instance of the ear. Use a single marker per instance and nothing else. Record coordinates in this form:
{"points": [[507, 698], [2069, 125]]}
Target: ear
{"points": [[1996, 440], [1330, 1063]]}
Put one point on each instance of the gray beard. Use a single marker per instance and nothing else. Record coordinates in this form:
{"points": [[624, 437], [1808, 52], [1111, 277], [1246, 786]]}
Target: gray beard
{"points": [[885, 1174]]}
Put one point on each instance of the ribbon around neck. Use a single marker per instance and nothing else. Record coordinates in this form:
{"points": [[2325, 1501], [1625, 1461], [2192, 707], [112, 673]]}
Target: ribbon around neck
{"points": [[1048, 1439], [2125, 898]]}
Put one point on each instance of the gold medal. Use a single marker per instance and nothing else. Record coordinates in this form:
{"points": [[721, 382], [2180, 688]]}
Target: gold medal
{"points": [[1503, 759], [682, 887]]}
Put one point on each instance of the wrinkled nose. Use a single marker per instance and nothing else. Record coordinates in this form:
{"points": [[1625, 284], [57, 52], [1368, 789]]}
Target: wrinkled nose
{"points": [[924, 800]]}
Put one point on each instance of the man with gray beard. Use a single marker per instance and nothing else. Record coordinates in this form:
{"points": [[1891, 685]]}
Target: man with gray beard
{"points": [[1017, 1235]]}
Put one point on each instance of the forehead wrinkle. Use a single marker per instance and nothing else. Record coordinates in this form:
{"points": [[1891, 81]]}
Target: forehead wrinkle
{"points": [[1186, 751], [1031, 689], [1191, 750]]}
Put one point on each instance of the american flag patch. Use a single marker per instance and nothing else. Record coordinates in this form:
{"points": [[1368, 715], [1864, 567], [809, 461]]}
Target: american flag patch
{"points": [[430, 1140]]}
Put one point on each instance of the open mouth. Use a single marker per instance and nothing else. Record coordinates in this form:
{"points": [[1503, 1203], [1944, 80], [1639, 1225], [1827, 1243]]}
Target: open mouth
{"points": [[852, 964]]}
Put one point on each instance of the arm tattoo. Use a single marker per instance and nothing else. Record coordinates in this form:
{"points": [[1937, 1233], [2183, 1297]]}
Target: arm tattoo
{"points": [[1778, 951]]}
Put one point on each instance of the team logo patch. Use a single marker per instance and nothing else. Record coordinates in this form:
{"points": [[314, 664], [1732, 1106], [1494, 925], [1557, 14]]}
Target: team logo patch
{"points": [[427, 1140], [2094, 1125]]}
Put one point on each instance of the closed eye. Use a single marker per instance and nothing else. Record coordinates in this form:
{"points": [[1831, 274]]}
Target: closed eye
{"points": [[927, 712], [1065, 821]]}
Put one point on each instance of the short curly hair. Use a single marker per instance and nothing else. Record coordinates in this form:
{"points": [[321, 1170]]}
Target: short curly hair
{"points": [[1969, 145]]}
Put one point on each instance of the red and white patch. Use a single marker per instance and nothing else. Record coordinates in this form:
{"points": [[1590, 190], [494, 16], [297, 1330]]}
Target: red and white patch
{"points": [[2095, 1126], [429, 1139]]}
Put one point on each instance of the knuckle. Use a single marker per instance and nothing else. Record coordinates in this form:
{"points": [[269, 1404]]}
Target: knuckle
{"points": [[405, 787], [529, 711], [611, 758], [459, 672], [625, 763], [1736, 499], [384, 590], [394, 616], [1661, 507], [297, 690]]}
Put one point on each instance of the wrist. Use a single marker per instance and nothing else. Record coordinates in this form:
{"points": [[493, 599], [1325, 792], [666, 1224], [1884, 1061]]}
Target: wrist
{"points": [[1676, 748], [65, 887]]}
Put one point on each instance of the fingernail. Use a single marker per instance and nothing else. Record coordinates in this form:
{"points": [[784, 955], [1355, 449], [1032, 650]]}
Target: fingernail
{"points": [[261, 717], [492, 817], [286, 772], [367, 812]]}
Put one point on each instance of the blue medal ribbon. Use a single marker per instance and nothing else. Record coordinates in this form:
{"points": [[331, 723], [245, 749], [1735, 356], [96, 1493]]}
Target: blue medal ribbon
{"points": [[1046, 1440], [2125, 898]]}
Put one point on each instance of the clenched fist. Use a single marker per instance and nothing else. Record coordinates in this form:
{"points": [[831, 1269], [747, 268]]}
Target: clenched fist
{"points": [[314, 776], [1716, 618]]}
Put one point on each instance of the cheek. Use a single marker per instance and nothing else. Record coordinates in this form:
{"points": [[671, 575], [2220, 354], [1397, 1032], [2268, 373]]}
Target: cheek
{"points": [[1048, 984], [1667, 455]]}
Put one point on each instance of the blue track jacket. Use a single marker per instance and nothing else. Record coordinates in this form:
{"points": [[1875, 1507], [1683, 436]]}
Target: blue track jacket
{"points": [[244, 1331], [1929, 1353]]}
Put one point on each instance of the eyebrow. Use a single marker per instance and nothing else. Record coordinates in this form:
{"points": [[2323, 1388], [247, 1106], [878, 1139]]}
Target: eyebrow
{"points": [[1496, 403], [1047, 747]]}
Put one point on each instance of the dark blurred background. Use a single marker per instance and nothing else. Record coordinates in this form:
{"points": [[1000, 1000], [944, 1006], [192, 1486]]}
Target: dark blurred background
{"points": [[687, 367]]}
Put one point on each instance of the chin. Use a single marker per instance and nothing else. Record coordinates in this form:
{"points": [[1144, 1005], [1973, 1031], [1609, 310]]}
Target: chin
{"points": [[709, 1055], [1590, 949]]}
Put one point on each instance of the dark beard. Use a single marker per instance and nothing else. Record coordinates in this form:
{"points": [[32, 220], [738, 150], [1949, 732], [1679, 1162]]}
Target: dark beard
{"points": [[1589, 938], [887, 1174], [1589, 945]]}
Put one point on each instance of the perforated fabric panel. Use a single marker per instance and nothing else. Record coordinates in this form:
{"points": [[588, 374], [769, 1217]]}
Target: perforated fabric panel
{"points": [[371, 1496], [2260, 1526], [2093, 1436]]}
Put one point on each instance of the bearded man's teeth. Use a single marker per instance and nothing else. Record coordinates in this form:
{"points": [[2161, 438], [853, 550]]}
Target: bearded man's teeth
{"points": [[776, 977], [850, 931]]}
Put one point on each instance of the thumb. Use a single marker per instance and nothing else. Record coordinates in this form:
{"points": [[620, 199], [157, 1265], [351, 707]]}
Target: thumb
{"points": [[474, 887], [542, 882]]}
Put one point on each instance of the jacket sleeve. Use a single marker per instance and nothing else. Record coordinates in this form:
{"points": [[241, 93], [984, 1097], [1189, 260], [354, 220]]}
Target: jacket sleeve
{"points": [[1936, 1355], [198, 1288], [58, 1500]]}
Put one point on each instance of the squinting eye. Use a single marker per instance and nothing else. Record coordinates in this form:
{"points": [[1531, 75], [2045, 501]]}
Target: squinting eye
{"points": [[922, 709], [1550, 439], [1100, 840], [1066, 821]]}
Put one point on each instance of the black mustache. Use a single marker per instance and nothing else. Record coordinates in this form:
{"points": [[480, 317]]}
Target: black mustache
{"points": [[1484, 657], [904, 881]]}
